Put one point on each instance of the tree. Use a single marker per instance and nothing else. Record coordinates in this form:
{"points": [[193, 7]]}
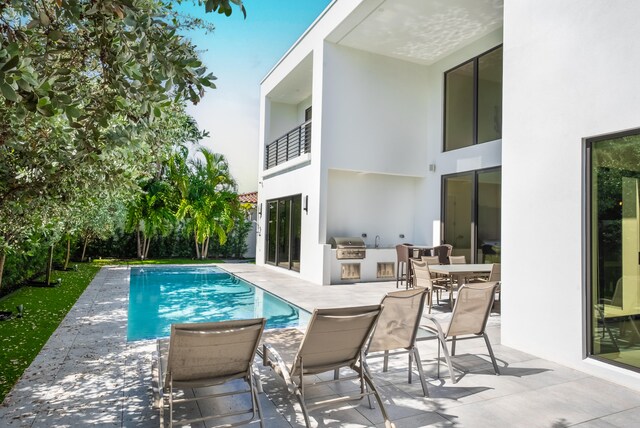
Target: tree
{"points": [[82, 85], [209, 201]]}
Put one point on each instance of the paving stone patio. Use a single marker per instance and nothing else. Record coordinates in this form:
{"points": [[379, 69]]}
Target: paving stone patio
{"points": [[89, 375]]}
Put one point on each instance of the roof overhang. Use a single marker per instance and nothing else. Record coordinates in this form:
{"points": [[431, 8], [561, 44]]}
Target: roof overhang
{"points": [[419, 31]]}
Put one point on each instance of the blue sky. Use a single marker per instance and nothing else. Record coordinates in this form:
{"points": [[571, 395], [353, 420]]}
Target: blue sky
{"points": [[240, 53]]}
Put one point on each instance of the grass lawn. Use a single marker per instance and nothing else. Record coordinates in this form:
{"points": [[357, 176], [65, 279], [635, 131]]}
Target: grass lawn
{"points": [[21, 339]]}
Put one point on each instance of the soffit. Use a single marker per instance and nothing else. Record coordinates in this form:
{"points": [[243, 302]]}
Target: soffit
{"points": [[296, 86], [420, 31]]}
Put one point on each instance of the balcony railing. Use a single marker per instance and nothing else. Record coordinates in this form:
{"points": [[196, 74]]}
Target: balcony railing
{"points": [[290, 146]]}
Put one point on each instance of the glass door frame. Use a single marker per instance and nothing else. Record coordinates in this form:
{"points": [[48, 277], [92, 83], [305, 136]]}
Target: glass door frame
{"points": [[588, 312], [277, 262], [473, 251]]}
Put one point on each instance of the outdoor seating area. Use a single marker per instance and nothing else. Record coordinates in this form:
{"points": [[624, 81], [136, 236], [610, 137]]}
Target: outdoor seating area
{"points": [[79, 381]]}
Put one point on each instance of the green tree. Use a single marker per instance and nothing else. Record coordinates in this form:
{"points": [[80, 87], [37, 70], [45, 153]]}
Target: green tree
{"points": [[209, 201], [83, 86]]}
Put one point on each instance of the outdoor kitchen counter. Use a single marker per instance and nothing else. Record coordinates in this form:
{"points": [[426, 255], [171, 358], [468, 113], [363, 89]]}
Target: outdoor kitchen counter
{"points": [[378, 265]]}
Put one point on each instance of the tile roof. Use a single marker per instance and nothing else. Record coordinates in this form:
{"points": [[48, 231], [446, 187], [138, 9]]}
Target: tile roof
{"points": [[251, 197]]}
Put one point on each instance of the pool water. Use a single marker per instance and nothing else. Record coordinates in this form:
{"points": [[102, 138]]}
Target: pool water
{"points": [[161, 296]]}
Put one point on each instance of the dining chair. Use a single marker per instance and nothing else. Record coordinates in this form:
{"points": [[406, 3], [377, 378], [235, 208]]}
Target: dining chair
{"points": [[457, 260], [494, 276], [468, 321], [397, 329], [423, 278], [443, 252]]}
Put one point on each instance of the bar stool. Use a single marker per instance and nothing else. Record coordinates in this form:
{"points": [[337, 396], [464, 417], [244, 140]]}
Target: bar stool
{"points": [[402, 263]]}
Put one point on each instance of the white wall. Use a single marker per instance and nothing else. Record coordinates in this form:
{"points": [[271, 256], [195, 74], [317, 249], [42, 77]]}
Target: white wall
{"points": [[283, 118], [570, 72], [374, 113], [375, 204]]}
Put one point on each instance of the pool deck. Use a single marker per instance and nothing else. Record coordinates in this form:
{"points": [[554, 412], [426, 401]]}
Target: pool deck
{"points": [[89, 375]]}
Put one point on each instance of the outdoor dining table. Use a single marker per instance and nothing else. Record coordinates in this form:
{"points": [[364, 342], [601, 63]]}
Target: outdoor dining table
{"points": [[457, 271]]}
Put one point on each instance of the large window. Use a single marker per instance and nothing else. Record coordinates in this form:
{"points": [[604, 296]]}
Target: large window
{"points": [[472, 214], [473, 101], [284, 231], [614, 256]]}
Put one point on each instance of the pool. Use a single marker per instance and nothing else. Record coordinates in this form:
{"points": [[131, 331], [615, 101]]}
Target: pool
{"points": [[161, 296]]}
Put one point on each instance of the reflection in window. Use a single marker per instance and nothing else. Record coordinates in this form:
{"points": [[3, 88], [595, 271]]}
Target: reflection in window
{"points": [[615, 249], [473, 101]]}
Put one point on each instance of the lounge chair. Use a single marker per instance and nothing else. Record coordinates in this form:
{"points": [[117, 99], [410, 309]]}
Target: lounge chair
{"points": [[397, 329], [468, 321], [199, 355], [335, 338]]}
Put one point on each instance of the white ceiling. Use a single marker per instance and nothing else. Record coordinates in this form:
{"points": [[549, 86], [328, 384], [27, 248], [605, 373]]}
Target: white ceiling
{"points": [[422, 31]]}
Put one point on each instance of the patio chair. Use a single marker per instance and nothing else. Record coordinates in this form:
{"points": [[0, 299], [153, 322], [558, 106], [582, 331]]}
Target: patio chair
{"points": [[443, 252], [402, 263], [457, 260], [424, 279], [199, 355], [431, 260], [494, 276], [468, 321], [397, 329], [335, 338]]}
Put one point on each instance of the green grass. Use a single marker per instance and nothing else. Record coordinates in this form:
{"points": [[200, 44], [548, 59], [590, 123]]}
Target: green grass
{"points": [[21, 339], [104, 262]]}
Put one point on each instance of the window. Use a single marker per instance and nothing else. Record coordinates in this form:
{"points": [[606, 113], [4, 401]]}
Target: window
{"points": [[284, 232], [473, 101], [613, 259], [471, 217]]}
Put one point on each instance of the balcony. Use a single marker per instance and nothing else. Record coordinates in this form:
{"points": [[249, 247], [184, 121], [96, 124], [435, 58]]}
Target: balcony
{"points": [[291, 145]]}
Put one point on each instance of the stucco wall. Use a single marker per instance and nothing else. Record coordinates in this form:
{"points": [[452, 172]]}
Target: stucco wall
{"points": [[570, 72], [375, 204], [374, 110]]}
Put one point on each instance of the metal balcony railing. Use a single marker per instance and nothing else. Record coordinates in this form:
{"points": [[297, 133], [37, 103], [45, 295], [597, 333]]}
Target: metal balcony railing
{"points": [[291, 145]]}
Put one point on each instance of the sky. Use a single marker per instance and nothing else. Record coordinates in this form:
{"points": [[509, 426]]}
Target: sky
{"points": [[240, 52]]}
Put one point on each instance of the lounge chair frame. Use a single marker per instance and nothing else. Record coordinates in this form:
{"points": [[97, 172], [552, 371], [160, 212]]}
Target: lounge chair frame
{"points": [[208, 334], [309, 360]]}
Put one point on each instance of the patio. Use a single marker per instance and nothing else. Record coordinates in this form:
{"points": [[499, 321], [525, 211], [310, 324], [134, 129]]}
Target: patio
{"points": [[89, 375]]}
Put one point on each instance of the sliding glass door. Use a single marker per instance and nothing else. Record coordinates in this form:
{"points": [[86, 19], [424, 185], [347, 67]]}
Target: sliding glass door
{"points": [[284, 232], [614, 257], [471, 215]]}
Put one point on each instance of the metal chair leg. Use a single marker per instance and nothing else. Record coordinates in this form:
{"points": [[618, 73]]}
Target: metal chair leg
{"points": [[447, 358], [420, 371], [493, 358]]}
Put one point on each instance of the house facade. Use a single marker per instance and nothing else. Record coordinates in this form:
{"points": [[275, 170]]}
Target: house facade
{"points": [[508, 130]]}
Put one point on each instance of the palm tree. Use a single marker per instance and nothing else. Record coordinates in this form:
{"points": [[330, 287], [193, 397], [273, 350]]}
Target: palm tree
{"points": [[152, 214], [209, 202]]}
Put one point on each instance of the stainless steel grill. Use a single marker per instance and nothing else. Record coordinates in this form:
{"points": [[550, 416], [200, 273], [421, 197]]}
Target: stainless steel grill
{"points": [[348, 248]]}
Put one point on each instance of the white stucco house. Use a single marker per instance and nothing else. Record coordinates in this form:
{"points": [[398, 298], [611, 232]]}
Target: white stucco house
{"points": [[510, 130]]}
